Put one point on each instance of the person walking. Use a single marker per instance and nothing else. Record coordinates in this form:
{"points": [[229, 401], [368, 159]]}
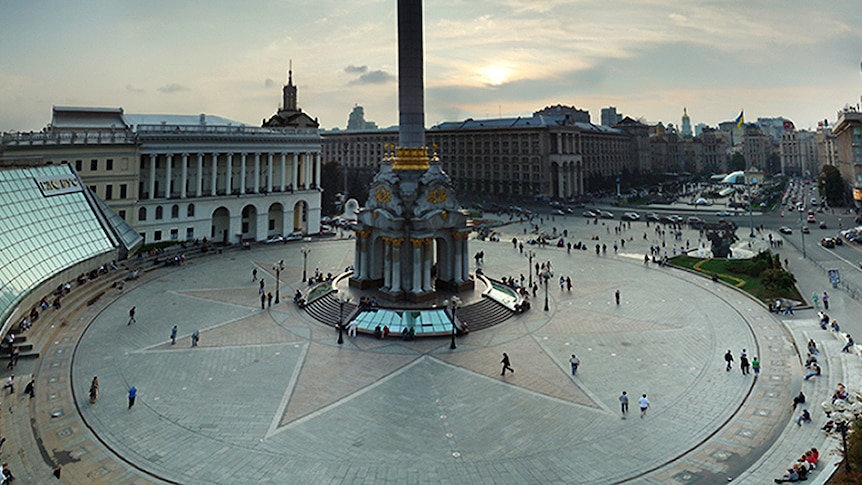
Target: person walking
{"points": [[848, 345], [174, 335], [260, 287], [728, 357], [575, 361], [617, 296], [254, 274], [644, 405], [755, 364], [262, 300], [196, 335], [132, 316], [743, 362], [825, 300], [31, 388], [624, 404], [269, 300], [133, 393], [94, 389], [506, 365], [10, 384]]}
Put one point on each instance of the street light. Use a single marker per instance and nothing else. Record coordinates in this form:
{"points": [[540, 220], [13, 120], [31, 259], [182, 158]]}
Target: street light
{"points": [[278, 268], [305, 250], [455, 303], [342, 300], [531, 254], [546, 275]]}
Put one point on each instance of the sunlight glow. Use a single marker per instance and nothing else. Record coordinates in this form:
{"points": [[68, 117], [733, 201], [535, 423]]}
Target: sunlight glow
{"points": [[495, 75]]}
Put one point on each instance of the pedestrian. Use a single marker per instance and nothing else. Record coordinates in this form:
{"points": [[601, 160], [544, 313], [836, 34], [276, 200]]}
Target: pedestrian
{"points": [[254, 274], [132, 316], [644, 404], [262, 301], [743, 363], [94, 389], [575, 361], [755, 364], [133, 393], [351, 328], [805, 417], [848, 345], [624, 404], [617, 296], [814, 299], [825, 300], [506, 365], [728, 357], [196, 335], [174, 335], [10, 384], [269, 300], [569, 283], [31, 388], [13, 359], [260, 287]]}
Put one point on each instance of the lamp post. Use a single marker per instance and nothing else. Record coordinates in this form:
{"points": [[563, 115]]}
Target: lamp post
{"points": [[305, 250], [750, 205], [531, 254], [278, 268], [546, 275], [342, 300], [842, 424], [455, 303]]}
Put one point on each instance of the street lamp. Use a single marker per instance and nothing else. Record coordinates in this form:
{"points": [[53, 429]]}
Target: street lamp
{"points": [[342, 300], [455, 303], [546, 275], [305, 250], [278, 268], [531, 254]]}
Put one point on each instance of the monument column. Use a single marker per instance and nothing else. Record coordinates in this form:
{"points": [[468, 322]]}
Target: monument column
{"points": [[396, 264], [465, 258], [456, 258], [417, 266], [317, 170], [152, 176], [387, 263], [256, 173], [269, 172], [426, 265], [295, 175]]}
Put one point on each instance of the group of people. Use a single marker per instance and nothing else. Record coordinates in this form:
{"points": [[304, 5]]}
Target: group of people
{"points": [[745, 365], [801, 468]]}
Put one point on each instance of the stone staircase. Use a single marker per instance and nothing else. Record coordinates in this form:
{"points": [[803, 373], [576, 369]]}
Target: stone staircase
{"points": [[483, 314], [327, 308]]}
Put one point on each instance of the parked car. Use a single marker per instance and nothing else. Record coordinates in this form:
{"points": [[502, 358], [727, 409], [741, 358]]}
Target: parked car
{"points": [[694, 221], [606, 215], [723, 214], [827, 242], [278, 238], [653, 217], [785, 230], [630, 216], [293, 236], [589, 214], [558, 212]]}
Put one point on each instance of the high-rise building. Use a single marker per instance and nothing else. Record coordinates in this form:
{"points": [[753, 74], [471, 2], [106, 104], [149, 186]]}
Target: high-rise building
{"points": [[848, 143], [686, 124], [610, 117], [356, 120], [798, 152]]}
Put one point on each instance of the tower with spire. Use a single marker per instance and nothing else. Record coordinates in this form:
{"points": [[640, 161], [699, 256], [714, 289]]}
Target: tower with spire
{"points": [[686, 124], [290, 115]]}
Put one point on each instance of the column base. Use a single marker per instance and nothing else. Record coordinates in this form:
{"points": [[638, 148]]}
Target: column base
{"points": [[365, 284], [454, 286]]}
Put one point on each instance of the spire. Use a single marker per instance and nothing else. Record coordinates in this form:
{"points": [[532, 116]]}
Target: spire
{"points": [[289, 91]]}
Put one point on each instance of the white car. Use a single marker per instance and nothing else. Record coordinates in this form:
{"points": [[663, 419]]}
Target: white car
{"points": [[293, 236], [275, 239]]}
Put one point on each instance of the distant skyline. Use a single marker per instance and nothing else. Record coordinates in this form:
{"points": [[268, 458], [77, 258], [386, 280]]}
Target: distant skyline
{"points": [[648, 58]]}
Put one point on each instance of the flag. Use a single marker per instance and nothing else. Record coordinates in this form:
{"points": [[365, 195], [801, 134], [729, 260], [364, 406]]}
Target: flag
{"points": [[788, 125], [739, 120]]}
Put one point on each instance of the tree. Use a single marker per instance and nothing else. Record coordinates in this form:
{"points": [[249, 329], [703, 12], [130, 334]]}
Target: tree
{"points": [[330, 182], [831, 184], [737, 162]]}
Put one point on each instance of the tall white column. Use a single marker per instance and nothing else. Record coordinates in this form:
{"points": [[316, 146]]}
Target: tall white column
{"points": [[242, 176], [465, 260], [456, 258], [228, 183], [317, 170], [363, 256], [184, 175], [256, 173], [269, 172], [295, 174], [214, 175], [199, 178], [426, 266], [283, 175], [417, 266], [387, 264], [307, 170], [152, 176], [168, 166], [396, 265]]}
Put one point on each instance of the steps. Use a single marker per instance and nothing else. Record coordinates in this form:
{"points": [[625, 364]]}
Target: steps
{"points": [[486, 313], [326, 309]]}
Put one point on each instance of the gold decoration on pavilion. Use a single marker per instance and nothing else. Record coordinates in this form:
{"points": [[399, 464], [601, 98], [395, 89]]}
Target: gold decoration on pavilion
{"points": [[362, 232], [437, 195], [374, 214], [393, 241], [419, 242], [444, 215], [410, 158], [382, 195]]}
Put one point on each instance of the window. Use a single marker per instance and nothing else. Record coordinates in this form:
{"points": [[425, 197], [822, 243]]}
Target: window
{"points": [[190, 211], [123, 191], [122, 214], [175, 211], [190, 233], [175, 234], [157, 236], [271, 224], [78, 165], [109, 192], [159, 213], [109, 164], [142, 214], [94, 165]]}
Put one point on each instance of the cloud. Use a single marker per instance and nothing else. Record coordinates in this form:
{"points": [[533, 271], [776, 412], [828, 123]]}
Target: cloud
{"points": [[374, 77], [351, 69], [172, 88], [269, 83], [132, 89]]}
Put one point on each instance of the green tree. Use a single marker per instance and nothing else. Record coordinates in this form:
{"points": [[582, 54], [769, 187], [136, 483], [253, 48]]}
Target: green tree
{"points": [[330, 182], [737, 162], [831, 185]]}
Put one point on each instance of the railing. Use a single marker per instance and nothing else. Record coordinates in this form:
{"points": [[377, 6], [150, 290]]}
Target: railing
{"points": [[69, 137], [221, 130], [854, 291]]}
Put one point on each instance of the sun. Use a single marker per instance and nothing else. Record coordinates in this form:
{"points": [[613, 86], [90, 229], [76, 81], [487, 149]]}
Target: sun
{"points": [[495, 75]]}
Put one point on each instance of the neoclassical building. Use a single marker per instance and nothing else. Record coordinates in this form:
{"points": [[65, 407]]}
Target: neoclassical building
{"points": [[180, 177]]}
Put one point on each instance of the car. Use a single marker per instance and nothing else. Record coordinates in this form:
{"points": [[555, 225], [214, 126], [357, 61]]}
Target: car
{"points": [[630, 216], [785, 230], [694, 221], [822, 225], [278, 238], [701, 202], [589, 214], [653, 217], [813, 201], [723, 214], [805, 230], [811, 219], [606, 215], [838, 241], [558, 212], [293, 236], [827, 242]]}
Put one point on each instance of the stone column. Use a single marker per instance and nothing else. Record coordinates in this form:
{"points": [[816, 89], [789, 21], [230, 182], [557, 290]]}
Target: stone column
{"points": [[465, 258], [387, 263], [269, 172], [357, 250], [256, 173], [283, 160], [242, 175], [396, 264], [199, 179], [317, 170], [152, 176], [417, 266], [426, 265], [228, 185], [307, 164], [295, 174], [185, 175], [363, 239], [456, 258], [168, 163], [214, 175]]}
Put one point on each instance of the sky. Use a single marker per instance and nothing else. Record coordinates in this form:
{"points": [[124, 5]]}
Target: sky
{"points": [[483, 58]]}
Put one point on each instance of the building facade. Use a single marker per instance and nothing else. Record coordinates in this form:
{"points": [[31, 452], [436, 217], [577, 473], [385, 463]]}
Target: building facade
{"points": [[848, 144]]}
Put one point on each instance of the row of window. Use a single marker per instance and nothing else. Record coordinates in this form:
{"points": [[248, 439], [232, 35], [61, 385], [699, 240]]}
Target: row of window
{"points": [[159, 212], [94, 165]]}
